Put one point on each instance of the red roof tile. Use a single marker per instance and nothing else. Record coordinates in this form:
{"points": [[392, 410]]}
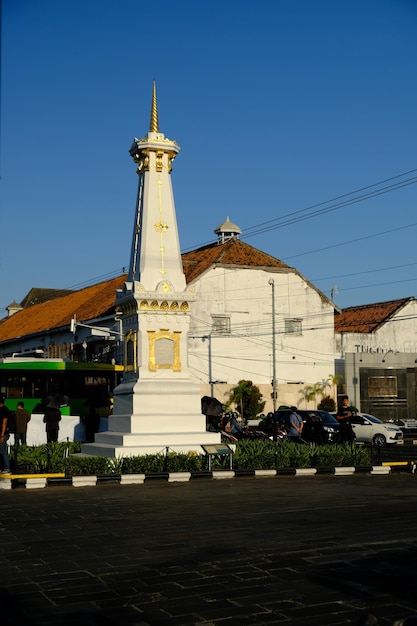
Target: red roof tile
{"points": [[367, 317], [87, 304], [232, 252]]}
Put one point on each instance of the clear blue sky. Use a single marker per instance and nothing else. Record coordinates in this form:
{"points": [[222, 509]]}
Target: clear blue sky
{"points": [[277, 106]]}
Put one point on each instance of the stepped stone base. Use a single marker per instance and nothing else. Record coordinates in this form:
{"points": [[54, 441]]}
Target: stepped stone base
{"points": [[118, 444], [151, 416]]}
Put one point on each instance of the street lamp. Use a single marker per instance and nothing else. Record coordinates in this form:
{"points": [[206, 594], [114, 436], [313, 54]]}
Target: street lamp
{"points": [[274, 367]]}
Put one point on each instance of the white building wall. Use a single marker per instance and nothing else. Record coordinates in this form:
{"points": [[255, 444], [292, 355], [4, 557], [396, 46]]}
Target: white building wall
{"points": [[245, 297]]}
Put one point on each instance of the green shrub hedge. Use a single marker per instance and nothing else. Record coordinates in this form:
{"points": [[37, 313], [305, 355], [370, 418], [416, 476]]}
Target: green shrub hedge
{"points": [[48, 457], [249, 455]]}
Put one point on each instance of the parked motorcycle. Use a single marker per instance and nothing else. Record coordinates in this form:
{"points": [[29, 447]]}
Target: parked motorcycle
{"points": [[234, 431], [244, 435], [273, 429]]}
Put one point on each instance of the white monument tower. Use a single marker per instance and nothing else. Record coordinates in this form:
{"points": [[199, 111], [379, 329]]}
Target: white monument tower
{"points": [[157, 405]]}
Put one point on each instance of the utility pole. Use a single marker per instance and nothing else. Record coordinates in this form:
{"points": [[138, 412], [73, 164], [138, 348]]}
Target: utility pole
{"points": [[210, 373], [210, 369], [274, 367]]}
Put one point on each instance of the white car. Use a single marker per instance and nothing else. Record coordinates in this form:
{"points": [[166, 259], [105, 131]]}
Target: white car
{"points": [[369, 429], [407, 423]]}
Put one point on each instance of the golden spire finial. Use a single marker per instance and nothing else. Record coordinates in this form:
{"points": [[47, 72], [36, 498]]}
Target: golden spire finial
{"points": [[154, 126]]}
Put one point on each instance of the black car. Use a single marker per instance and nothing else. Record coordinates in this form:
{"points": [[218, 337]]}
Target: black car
{"points": [[319, 426]]}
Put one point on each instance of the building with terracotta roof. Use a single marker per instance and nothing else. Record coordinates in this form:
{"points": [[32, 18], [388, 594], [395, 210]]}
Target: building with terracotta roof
{"points": [[376, 346], [231, 322], [377, 327], [45, 328], [231, 331]]}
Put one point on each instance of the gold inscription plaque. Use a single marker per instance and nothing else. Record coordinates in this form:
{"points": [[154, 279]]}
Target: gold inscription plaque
{"points": [[164, 350]]}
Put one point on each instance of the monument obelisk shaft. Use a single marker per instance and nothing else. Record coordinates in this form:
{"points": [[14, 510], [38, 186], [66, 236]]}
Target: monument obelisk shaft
{"points": [[157, 405]]}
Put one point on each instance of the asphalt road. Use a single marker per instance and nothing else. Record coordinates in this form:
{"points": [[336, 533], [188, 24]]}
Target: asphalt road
{"points": [[318, 550]]}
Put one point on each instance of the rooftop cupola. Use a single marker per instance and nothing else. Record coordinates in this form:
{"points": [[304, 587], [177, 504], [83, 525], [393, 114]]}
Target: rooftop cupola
{"points": [[13, 308], [227, 231]]}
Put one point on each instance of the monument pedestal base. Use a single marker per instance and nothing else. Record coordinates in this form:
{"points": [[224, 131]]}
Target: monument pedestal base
{"points": [[117, 444], [151, 416]]}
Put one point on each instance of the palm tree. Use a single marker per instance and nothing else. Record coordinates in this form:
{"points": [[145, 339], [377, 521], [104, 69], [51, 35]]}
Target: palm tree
{"points": [[333, 381], [312, 392]]}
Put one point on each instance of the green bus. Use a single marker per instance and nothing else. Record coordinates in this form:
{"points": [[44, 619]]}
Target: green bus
{"points": [[78, 387]]}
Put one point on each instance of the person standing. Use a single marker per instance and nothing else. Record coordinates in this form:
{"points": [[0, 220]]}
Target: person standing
{"points": [[343, 416], [4, 436], [295, 425], [22, 420], [51, 419]]}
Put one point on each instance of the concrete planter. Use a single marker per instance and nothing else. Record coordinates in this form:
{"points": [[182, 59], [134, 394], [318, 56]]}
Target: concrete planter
{"points": [[305, 471], [381, 469], [220, 474], [36, 483], [344, 471], [262, 473], [132, 479], [179, 477], [84, 481]]}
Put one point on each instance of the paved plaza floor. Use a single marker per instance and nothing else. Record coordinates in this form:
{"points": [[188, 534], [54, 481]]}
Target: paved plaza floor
{"points": [[308, 551]]}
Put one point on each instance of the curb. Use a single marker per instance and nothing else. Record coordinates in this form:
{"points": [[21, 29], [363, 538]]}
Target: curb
{"points": [[36, 481]]}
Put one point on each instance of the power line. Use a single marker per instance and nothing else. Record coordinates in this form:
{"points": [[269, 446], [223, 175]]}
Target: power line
{"points": [[381, 269], [323, 211], [345, 243], [313, 206], [296, 216], [392, 282], [98, 279]]}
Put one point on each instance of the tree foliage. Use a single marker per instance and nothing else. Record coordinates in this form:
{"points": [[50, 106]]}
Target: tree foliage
{"points": [[327, 403], [247, 399]]}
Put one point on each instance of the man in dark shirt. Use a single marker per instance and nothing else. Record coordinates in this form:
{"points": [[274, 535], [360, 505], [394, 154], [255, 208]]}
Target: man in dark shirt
{"points": [[51, 419], [344, 413], [4, 436]]}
